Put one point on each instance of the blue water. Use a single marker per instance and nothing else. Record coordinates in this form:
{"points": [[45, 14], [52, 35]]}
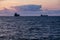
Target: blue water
{"points": [[30, 28]]}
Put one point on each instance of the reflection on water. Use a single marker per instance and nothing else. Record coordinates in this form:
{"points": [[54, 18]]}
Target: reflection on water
{"points": [[29, 28]]}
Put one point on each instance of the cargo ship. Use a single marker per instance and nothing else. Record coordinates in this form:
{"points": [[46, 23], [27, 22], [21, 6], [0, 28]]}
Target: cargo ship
{"points": [[16, 14], [44, 15]]}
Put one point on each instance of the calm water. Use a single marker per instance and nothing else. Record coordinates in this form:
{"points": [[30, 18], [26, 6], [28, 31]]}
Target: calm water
{"points": [[30, 28]]}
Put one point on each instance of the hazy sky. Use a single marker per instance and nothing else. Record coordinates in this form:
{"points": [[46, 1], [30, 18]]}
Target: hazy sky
{"points": [[46, 4]]}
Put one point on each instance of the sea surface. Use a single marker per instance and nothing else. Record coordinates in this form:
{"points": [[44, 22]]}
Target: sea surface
{"points": [[29, 28]]}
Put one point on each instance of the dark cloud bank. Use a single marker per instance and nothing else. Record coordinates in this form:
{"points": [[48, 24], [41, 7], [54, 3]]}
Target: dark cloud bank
{"points": [[28, 8]]}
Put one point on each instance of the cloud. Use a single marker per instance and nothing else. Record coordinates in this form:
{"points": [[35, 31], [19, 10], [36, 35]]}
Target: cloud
{"points": [[6, 12], [28, 8], [1, 0]]}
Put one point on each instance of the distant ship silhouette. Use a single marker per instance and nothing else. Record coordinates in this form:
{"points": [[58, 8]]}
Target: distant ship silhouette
{"points": [[16, 14], [44, 15]]}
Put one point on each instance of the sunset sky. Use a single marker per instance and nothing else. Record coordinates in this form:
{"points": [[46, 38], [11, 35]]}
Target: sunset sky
{"points": [[46, 4]]}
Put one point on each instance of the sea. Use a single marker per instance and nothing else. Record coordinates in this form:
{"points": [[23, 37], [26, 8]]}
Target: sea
{"points": [[30, 28]]}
